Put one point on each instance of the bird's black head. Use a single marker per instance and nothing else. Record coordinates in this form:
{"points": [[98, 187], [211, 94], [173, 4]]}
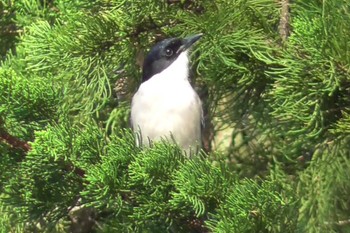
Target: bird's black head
{"points": [[164, 53]]}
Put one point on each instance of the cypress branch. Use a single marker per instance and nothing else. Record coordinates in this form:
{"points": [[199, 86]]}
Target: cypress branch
{"points": [[281, 113]]}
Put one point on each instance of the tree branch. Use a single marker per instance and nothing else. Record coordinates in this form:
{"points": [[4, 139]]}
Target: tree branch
{"points": [[284, 26], [13, 141], [340, 222]]}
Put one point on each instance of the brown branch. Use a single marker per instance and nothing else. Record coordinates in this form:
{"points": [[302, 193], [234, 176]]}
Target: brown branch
{"points": [[284, 26], [13, 141], [208, 127], [339, 223], [343, 222], [10, 32], [78, 171]]}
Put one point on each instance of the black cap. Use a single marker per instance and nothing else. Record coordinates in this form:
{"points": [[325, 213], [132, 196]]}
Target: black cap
{"points": [[164, 53]]}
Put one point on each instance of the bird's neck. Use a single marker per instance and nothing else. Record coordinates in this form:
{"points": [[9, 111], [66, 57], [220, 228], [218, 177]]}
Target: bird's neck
{"points": [[178, 70]]}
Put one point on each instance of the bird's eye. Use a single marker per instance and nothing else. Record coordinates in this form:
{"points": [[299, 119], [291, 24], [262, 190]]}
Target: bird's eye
{"points": [[168, 52]]}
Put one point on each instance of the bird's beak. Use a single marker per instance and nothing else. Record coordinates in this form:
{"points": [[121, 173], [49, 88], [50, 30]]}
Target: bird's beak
{"points": [[188, 41]]}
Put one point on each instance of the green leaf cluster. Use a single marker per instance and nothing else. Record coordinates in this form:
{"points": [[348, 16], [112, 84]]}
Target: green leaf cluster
{"points": [[65, 66]]}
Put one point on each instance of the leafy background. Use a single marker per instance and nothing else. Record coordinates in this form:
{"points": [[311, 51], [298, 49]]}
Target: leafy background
{"points": [[274, 79]]}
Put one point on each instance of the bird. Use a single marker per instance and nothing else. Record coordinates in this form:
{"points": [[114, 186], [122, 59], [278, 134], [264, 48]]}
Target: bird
{"points": [[165, 105]]}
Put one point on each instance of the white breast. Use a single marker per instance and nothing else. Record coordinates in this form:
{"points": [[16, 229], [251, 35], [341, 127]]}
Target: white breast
{"points": [[166, 106]]}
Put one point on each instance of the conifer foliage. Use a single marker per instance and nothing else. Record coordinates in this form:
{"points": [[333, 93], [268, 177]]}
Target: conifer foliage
{"points": [[275, 76]]}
